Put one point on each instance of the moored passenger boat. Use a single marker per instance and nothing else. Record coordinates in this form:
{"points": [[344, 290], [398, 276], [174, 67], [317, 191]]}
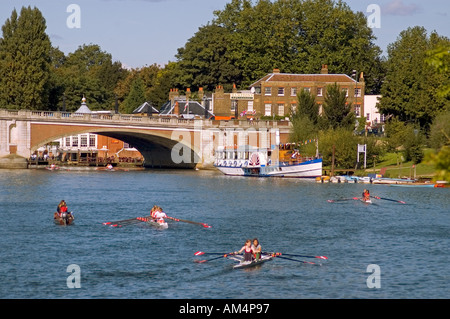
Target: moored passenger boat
{"points": [[264, 162]]}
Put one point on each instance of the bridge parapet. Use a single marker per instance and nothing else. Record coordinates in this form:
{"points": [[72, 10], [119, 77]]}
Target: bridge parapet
{"points": [[133, 120]]}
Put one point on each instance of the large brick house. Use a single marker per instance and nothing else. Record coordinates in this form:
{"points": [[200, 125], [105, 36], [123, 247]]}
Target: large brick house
{"points": [[275, 94]]}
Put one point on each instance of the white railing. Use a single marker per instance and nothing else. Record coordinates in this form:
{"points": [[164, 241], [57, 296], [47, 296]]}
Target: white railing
{"points": [[126, 119]]}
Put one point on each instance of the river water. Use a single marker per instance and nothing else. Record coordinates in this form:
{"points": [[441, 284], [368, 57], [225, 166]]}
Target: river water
{"points": [[408, 244]]}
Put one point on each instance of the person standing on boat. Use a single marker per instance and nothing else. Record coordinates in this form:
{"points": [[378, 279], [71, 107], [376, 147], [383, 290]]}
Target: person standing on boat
{"points": [[256, 247], [366, 195], [247, 249]]}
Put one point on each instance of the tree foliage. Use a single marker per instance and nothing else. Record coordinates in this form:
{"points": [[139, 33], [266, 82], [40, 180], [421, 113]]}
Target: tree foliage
{"points": [[410, 91], [337, 111], [24, 61], [245, 41]]}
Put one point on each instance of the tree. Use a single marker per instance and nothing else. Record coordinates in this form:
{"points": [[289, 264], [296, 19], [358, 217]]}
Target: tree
{"points": [[410, 90], [337, 111], [296, 37], [136, 96], [90, 72], [205, 60], [25, 61]]}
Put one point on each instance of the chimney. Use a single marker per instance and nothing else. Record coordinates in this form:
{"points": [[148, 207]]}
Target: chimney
{"points": [[200, 94], [324, 69], [234, 90], [176, 109], [188, 93], [276, 71]]}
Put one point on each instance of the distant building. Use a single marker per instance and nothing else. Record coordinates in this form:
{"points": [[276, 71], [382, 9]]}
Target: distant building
{"points": [[145, 109], [187, 106], [275, 94]]}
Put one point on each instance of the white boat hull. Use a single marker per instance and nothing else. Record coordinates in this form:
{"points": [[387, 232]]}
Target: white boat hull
{"points": [[158, 224], [253, 263]]}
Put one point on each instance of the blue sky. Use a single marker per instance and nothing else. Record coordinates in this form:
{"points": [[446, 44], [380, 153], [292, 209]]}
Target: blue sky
{"points": [[143, 32]]}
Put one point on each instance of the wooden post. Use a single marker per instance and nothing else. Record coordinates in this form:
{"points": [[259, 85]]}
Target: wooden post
{"points": [[332, 161]]}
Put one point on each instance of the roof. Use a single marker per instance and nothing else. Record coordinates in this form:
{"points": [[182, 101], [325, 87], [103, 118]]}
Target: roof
{"points": [[83, 109], [193, 107], [287, 77], [145, 108]]}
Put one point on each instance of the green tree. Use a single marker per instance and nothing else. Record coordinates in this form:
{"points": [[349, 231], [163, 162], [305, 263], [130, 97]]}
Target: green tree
{"points": [[25, 61], [90, 72], [298, 37], [410, 90], [337, 111], [136, 96], [205, 60]]}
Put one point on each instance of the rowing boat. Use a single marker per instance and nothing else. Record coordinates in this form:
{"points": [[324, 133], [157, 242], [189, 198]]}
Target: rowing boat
{"points": [[248, 264], [367, 201], [158, 223], [64, 219]]}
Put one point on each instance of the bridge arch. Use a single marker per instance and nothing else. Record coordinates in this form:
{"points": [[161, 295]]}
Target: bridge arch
{"points": [[156, 145]]}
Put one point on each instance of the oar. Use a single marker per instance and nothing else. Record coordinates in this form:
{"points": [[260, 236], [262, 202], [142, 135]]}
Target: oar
{"points": [[294, 255], [126, 222], [199, 253], [206, 260], [343, 199], [299, 261], [189, 221], [389, 199]]}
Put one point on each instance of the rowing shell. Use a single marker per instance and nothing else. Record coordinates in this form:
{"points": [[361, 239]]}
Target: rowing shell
{"points": [[161, 224], [247, 264], [367, 201]]}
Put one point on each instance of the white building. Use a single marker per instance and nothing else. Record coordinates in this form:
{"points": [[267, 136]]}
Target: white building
{"points": [[373, 117]]}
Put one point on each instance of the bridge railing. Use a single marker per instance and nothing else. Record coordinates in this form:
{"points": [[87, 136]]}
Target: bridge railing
{"points": [[127, 119]]}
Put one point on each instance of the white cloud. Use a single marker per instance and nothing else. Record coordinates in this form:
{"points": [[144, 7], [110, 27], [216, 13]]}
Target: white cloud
{"points": [[398, 8]]}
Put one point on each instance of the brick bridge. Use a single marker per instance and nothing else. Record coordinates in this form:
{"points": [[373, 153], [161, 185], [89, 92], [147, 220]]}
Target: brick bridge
{"points": [[166, 142]]}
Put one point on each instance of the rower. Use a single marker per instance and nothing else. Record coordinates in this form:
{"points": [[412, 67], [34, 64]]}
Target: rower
{"points": [[247, 249], [256, 247], [157, 213], [62, 209], [366, 195]]}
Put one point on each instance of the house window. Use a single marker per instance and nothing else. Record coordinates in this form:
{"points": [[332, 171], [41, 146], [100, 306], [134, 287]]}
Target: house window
{"points": [[293, 108], [357, 110], [267, 109], [267, 91], [75, 141], [67, 142], [307, 90], [92, 140], [281, 109], [319, 91], [382, 118], [320, 109], [84, 140], [250, 106], [293, 91], [367, 116], [280, 91], [346, 92], [357, 92]]}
